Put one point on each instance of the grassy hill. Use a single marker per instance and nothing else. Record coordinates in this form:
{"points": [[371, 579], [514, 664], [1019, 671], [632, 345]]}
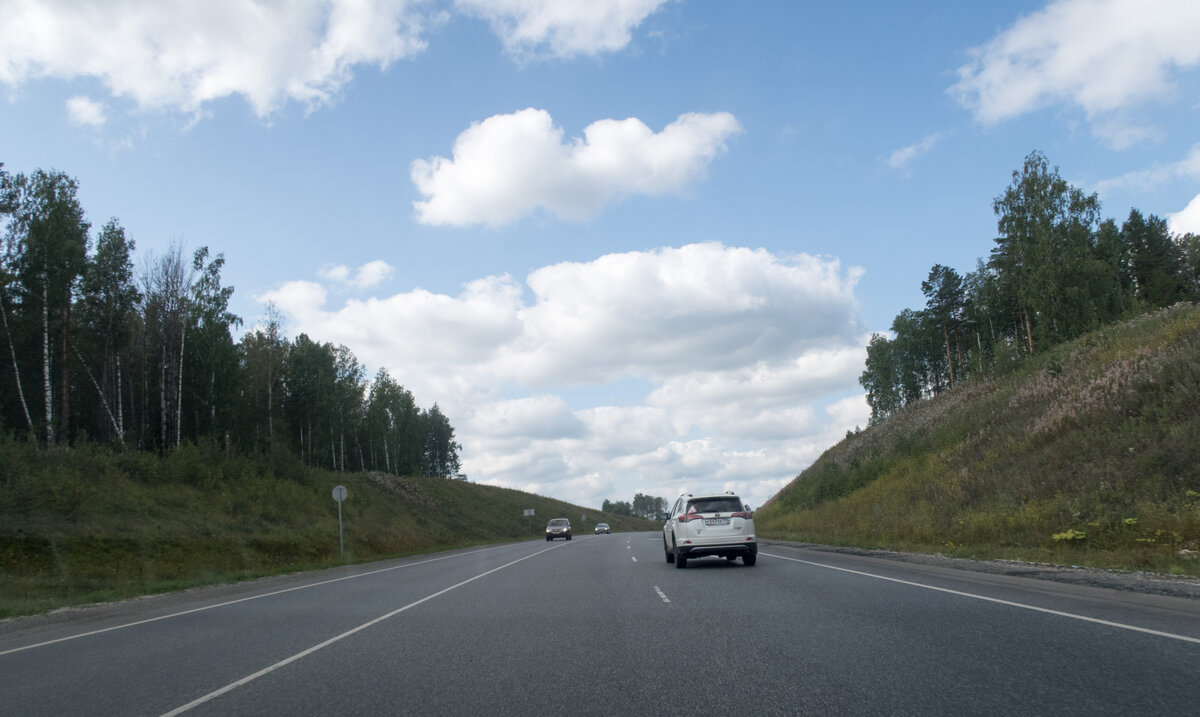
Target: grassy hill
{"points": [[1088, 454], [88, 524]]}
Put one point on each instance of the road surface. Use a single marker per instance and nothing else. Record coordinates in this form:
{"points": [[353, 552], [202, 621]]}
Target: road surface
{"points": [[602, 625]]}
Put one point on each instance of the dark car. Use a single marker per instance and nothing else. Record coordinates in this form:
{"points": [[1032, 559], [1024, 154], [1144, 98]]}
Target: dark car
{"points": [[558, 528], [603, 528]]}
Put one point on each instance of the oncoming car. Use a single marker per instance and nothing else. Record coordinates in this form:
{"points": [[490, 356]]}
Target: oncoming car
{"points": [[558, 528], [704, 525], [603, 528]]}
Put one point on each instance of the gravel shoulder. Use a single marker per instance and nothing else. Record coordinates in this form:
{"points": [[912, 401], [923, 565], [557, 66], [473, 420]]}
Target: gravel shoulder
{"points": [[1139, 582]]}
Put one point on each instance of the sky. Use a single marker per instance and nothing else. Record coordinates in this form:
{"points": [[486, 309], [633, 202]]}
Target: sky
{"points": [[626, 246]]}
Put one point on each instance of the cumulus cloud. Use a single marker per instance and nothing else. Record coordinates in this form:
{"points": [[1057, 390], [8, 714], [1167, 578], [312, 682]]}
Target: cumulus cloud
{"points": [[1101, 55], [84, 112], [739, 350], [508, 166], [1186, 221], [180, 56], [561, 29]]}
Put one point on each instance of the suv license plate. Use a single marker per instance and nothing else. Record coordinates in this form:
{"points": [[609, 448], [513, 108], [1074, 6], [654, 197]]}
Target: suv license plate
{"points": [[716, 521]]}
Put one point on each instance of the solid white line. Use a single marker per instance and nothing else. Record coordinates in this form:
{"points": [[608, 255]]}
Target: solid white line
{"points": [[234, 602], [1023, 606], [300, 655]]}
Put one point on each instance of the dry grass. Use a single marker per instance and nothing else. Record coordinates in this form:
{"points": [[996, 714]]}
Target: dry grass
{"points": [[1086, 454]]}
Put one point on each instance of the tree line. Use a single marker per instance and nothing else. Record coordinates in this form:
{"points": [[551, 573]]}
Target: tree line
{"points": [[97, 350], [1056, 271], [643, 506]]}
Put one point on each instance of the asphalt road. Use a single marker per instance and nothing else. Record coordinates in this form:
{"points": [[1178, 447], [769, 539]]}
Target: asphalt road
{"points": [[602, 625]]}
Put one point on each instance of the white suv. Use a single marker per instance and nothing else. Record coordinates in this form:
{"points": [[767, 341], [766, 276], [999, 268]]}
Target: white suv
{"points": [[701, 525]]}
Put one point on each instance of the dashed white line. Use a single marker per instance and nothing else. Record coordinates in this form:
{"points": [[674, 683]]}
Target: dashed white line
{"points": [[305, 653], [234, 602], [634, 559], [662, 595], [1023, 606]]}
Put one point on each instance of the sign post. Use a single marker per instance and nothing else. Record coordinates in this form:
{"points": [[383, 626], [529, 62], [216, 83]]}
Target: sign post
{"points": [[339, 494], [529, 514]]}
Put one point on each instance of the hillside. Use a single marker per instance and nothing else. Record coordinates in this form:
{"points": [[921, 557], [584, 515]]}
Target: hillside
{"points": [[1088, 454], [88, 524]]}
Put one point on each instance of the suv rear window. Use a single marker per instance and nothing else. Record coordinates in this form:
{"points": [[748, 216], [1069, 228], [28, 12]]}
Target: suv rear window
{"points": [[715, 505]]}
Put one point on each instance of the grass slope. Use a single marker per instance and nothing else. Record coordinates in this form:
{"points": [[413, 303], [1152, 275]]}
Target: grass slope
{"points": [[1088, 454], [87, 524]]}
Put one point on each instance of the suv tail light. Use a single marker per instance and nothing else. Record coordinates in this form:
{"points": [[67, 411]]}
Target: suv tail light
{"points": [[744, 514], [687, 517]]}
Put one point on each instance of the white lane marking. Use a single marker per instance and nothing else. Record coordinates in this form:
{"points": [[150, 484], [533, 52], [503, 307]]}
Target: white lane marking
{"points": [[634, 558], [234, 602], [305, 653], [662, 595], [1023, 606]]}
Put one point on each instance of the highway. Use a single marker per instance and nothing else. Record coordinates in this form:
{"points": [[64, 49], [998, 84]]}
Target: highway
{"points": [[602, 625]]}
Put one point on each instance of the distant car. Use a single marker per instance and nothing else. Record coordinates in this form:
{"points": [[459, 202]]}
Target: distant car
{"points": [[558, 528], [603, 528], [704, 525]]}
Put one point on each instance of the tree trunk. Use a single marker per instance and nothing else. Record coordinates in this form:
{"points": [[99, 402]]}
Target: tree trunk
{"points": [[179, 404], [46, 384], [64, 413], [16, 369], [162, 400], [949, 358], [103, 400], [120, 403], [1029, 331]]}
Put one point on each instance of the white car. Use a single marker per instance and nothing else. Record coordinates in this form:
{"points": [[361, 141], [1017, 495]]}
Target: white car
{"points": [[703, 525]]}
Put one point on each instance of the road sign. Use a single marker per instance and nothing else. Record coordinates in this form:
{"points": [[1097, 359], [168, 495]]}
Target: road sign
{"points": [[528, 511], [339, 494]]}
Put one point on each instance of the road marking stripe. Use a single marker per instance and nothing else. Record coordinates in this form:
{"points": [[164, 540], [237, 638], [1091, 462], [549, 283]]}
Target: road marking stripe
{"points": [[634, 559], [1024, 606], [234, 602], [300, 655], [662, 595]]}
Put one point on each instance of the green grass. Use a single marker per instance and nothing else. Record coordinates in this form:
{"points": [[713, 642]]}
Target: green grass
{"points": [[88, 524], [1084, 455]]}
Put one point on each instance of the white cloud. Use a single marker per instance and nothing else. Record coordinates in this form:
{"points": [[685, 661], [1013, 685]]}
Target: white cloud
{"points": [[508, 166], [1149, 179], [900, 158], [368, 275], [543, 417], [1102, 55], [740, 350], [560, 28], [84, 112], [1186, 221], [179, 56]]}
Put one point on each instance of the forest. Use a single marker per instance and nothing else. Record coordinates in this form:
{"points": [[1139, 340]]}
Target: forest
{"points": [[96, 351], [1056, 271]]}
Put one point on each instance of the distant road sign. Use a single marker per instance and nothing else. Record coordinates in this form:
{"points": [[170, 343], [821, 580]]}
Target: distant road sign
{"points": [[340, 493], [529, 511]]}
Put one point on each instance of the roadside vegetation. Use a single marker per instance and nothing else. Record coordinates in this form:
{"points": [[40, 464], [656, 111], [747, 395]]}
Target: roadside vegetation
{"points": [[1045, 407], [88, 524], [1086, 454]]}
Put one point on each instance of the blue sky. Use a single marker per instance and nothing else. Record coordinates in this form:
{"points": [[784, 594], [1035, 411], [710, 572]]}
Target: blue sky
{"points": [[626, 245]]}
